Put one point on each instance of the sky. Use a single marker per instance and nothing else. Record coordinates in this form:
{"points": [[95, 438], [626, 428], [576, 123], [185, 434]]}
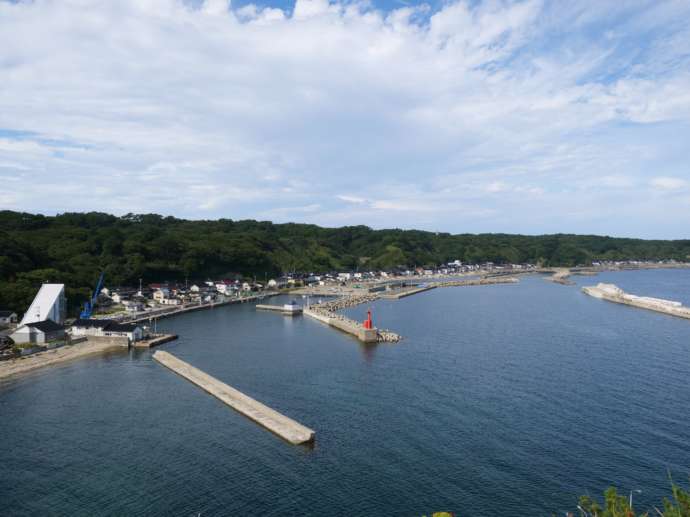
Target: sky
{"points": [[529, 116]]}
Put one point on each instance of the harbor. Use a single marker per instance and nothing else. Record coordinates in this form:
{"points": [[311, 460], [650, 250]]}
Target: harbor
{"points": [[466, 362], [277, 423]]}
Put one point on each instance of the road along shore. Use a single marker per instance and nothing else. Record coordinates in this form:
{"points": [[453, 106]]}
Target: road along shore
{"points": [[285, 427], [613, 293]]}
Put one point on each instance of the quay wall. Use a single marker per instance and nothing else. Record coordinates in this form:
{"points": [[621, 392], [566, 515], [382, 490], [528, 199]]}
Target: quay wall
{"points": [[277, 423]]}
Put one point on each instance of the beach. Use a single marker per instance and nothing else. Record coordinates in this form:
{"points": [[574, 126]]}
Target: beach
{"points": [[52, 357]]}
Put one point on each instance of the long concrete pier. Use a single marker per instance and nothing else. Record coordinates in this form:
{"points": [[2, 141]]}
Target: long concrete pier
{"points": [[613, 293], [275, 422]]}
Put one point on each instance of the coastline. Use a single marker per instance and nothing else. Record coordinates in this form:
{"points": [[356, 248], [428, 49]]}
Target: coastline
{"points": [[21, 365]]}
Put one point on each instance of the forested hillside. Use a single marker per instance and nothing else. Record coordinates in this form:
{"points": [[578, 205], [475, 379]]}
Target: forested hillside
{"points": [[74, 248]]}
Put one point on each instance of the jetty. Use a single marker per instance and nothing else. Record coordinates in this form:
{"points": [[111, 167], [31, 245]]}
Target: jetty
{"points": [[613, 293], [275, 422]]}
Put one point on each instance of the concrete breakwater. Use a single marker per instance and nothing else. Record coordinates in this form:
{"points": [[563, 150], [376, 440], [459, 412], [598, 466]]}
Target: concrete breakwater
{"points": [[345, 324], [326, 312], [285, 427], [613, 293]]}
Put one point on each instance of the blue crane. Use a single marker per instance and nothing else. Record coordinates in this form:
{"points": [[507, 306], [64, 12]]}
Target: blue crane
{"points": [[90, 304]]}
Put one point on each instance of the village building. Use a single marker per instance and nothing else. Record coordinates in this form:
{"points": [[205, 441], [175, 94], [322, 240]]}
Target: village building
{"points": [[133, 305], [106, 328], [39, 332], [161, 294], [7, 318]]}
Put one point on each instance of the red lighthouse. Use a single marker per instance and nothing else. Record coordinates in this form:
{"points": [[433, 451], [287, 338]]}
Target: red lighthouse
{"points": [[368, 324]]}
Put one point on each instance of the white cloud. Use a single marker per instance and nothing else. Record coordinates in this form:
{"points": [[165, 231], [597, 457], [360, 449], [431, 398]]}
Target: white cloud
{"points": [[666, 183], [478, 116], [352, 199]]}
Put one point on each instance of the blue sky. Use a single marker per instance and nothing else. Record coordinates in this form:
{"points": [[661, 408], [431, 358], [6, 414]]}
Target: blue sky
{"points": [[529, 116]]}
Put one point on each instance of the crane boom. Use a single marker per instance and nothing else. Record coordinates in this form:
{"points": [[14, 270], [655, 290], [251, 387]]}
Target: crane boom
{"points": [[90, 304]]}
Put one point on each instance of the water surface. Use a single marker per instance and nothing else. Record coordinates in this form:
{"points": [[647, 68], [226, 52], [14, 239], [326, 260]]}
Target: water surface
{"points": [[501, 400]]}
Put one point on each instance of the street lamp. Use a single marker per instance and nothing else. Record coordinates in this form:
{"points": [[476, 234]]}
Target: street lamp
{"points": [[631, 498]]}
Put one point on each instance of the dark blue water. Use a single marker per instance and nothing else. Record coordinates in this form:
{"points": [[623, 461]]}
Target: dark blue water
{"points": [[502, 400]]}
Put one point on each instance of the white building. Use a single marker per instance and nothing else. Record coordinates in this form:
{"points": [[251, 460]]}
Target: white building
{"points": [[49, 304]]}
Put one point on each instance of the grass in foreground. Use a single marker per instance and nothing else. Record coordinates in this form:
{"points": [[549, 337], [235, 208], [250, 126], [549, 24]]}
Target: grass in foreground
{"points": [[615, 505]]}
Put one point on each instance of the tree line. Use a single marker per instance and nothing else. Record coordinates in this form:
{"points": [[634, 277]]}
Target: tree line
{"points": [[73, 248]]}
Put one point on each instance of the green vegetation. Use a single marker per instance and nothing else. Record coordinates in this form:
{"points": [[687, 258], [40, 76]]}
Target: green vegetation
{"points": [[73, 248], [616, 505]]}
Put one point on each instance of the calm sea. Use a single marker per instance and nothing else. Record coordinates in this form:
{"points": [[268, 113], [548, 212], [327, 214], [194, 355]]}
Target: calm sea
{"points": [[503, 400]]}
